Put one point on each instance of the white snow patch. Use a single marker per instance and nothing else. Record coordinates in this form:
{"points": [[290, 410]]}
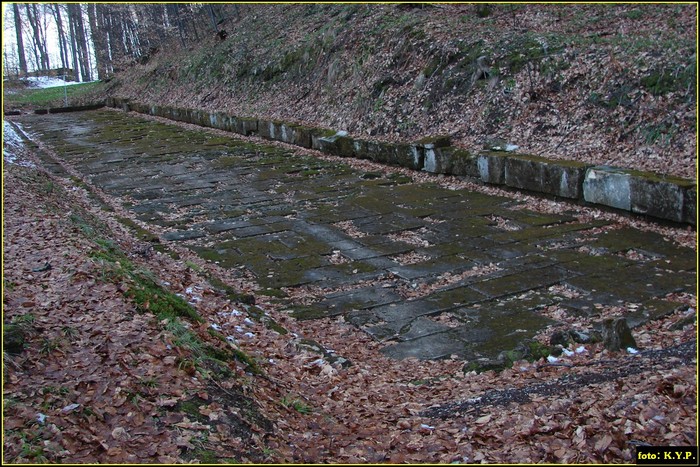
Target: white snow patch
{"points": [[12, 143], [49, 82]]}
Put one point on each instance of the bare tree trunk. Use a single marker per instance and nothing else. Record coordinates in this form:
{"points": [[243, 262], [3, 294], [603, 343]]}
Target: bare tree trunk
{"points": [[20, 41], [105, 39], [214, 13], [63, 47], [39, 37], [97, 34], [73, 46], [174, 10], [75, 15], [116, 36]]}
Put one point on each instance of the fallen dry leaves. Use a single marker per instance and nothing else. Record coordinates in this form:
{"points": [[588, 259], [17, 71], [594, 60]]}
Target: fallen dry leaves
{"points": [[364, 71]]}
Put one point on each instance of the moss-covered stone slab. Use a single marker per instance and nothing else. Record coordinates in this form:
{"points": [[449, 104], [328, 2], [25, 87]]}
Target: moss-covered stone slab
{"points": [[359, 299], [521, 281], [492, 167], [184, 235], [609, 186], [652, 310], [690, 205], [451, 161], [647, 193], [274, 217], [430, 347], [432, 267], [663, 197], [534, 173], [75, 108]]}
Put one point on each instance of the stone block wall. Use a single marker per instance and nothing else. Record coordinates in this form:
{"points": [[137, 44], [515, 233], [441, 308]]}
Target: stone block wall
{"points": [[658, 196]]}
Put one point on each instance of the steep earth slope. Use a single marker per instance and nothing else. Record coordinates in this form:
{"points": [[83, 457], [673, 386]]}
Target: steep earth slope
{"points": [[609, 84]]}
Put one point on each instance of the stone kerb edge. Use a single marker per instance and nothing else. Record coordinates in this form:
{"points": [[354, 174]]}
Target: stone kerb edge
{"points": [[663, 197]]}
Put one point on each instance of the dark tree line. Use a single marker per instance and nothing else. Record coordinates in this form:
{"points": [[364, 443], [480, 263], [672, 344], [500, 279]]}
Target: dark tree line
{"points": [[103, 38]]}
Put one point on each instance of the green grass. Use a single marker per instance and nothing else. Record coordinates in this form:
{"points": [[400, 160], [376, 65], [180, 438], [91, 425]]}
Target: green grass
{"points": [[296, 404], [49, 96]]}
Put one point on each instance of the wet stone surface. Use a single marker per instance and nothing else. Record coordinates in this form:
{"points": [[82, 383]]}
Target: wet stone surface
{"points": [[377, 248]]}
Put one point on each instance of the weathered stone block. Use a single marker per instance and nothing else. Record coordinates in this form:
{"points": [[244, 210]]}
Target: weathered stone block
{"points": [[161, 110], [435, 142], [178, 114], [317, 134], [406, 155], [140, 108], [403, 155], [491, 166], [617, 334], [200, 117], [246, 126], [450, 160], [659, 196], [359, 148], [608, 186], [267, 129], [690, 205], [286, 132], [432, 160], [337, 144], [664, 197], [560, 178], [377, 151], [220, 121], [296, 134]]}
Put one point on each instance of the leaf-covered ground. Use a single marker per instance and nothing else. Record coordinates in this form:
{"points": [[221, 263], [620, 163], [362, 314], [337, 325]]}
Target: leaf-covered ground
{"points": [[123, 362], [607, 84]]}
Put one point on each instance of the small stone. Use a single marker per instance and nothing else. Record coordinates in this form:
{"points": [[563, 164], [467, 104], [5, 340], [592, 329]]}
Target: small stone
{"points": [[617, 334], [559, 338], [580, 337]]}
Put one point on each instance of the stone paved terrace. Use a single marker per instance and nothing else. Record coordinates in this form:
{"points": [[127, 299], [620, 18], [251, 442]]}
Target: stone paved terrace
{"points": [[428, 271]]}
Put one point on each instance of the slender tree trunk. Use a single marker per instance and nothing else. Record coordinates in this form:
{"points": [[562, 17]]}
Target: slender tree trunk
{"points": [[214, 16], [175, 9], [75, 13], [105, 40], [63, 48], [20, 41], [116, 37], [42, 57], [94, 35], [73, 46], [35, 48]]}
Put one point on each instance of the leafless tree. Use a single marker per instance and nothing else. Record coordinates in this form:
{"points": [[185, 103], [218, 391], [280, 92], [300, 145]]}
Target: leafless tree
{"points": [[20, 41]]}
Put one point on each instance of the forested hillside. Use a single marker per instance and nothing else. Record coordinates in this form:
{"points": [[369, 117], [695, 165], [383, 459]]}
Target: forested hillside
{"points": [[606, 83]]}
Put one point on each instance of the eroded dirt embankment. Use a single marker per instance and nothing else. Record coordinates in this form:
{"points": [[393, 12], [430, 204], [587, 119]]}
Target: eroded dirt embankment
{"points": [[559, 81]]}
